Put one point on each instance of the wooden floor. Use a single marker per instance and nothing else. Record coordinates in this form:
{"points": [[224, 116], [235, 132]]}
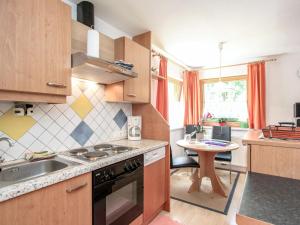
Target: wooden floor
{"points": [[191, 215]]}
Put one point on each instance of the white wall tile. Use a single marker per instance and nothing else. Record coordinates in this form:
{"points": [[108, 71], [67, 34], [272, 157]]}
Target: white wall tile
{"points": [[55, 124], [46, 137], [37, 130], [45, 121], [26, 140]]}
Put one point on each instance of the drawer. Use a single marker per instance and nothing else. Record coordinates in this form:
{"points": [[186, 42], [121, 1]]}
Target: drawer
{"points": [[153, 156]]}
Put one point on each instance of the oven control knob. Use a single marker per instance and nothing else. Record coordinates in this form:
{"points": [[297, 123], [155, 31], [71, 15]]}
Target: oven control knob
{"points": [[130, 167], [111, 173], [135, 163], [139, 163], [127, 167], [105, 176]]}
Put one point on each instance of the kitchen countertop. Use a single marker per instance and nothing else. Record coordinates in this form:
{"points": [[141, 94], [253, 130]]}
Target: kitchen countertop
{"points": [[254, 137], [21, 188], [271, 199]]}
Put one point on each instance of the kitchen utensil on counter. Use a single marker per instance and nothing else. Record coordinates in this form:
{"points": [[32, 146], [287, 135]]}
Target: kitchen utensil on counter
{"points": [[134, 128], [34, 156]]}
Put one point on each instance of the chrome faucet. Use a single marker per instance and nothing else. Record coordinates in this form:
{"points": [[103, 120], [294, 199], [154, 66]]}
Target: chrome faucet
{"points": [[10, 143]]}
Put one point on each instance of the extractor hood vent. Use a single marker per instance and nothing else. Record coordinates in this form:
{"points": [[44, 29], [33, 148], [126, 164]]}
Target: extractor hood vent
{"points": [[98, 70]]}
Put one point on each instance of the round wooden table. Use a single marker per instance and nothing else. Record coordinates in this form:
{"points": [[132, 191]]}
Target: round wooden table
{"points": [[206, 153]]}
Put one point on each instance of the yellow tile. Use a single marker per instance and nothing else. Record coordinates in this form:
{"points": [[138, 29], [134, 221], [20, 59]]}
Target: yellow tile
{"points": [[82, 106], [15, 126]]}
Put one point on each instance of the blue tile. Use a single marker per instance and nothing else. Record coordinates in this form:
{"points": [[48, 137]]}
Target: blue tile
{"points": [[82, 133], [120, 118]]}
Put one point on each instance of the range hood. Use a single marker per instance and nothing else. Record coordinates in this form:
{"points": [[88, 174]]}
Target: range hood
{"points": [[98, 70]]}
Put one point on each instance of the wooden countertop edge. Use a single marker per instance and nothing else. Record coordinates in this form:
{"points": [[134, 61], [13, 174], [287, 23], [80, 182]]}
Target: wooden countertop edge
{"points": [[252, 138], [245, 220], [272, 142]]}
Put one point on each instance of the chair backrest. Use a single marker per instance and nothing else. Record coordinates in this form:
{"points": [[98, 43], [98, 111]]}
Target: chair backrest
{"points": [[221, 133], [190, 129]]}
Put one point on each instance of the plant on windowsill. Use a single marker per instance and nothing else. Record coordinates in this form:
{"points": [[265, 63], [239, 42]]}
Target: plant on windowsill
{"points": [[222, 122]]}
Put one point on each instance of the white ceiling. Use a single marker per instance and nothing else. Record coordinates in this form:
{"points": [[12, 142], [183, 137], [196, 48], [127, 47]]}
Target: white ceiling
{"points": [[190, 30]]}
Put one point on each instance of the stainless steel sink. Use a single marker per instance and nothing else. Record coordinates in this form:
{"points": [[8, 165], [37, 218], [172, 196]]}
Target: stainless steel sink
{"points": [[28, 170]]}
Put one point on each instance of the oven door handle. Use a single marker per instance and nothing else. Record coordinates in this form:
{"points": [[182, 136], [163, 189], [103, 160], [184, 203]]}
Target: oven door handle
{"points": [[127, 174]]}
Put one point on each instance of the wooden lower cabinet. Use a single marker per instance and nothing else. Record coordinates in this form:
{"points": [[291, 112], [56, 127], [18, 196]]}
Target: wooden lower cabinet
{"points": [[276, 161], [64, 203], [154, 189]]}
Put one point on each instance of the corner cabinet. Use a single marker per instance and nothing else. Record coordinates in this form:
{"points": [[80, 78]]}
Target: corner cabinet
{"points": [[64, 203], [35, 50], [134, 90]]}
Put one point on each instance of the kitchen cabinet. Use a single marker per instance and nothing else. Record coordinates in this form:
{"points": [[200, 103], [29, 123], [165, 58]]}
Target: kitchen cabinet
{"points": [[64, 203], [135, 90], [154, 189], [35, 50]]}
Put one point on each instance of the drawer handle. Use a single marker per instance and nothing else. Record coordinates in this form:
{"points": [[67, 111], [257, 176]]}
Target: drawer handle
{"points": [[131, 95], [51, 84], [75, 188]]}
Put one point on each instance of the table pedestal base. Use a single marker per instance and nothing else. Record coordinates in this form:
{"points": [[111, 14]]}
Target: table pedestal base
{"points": [[207, 169]]}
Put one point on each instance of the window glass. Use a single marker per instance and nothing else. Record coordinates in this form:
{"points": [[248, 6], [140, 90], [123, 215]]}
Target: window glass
{"points": [[226, 99]]}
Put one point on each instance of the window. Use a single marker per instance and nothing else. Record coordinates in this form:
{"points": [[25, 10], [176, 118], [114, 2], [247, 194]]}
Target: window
{"points": [[176, 103], [226, 100]]}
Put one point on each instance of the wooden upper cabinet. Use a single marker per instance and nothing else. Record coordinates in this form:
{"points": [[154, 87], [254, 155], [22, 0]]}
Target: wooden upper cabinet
{"points": [[64, 203], [35, 49], [135, 90]]}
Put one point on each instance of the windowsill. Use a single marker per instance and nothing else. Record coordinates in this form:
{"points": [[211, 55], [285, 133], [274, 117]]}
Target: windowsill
{"points": [[210, 127], [232, 128]]}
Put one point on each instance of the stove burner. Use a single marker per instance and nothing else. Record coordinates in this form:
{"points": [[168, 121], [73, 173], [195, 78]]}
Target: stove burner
{"points": [[79, 151], [120, 149], [103, 147], [95, 155]]}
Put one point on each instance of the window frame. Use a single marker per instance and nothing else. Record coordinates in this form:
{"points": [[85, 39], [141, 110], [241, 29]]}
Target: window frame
{"points": [[215, 80]]}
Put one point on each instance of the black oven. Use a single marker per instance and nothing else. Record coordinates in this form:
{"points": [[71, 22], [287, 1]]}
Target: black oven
{"points": [[118, 195]]}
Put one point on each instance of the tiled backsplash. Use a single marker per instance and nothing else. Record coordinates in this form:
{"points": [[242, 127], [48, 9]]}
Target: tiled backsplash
{"points": [[85, 120]]}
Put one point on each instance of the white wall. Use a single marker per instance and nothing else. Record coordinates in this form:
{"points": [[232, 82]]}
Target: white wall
{"points": [[282, 87], [100, 25]]}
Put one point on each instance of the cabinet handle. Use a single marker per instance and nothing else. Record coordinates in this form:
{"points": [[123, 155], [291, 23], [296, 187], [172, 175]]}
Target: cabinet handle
{"points": [[75, 188], [131, 95], [51, 84]]}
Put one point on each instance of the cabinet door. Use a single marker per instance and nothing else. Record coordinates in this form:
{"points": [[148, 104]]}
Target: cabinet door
{"points": [[137, 89], [154, 189], [35, 46], [65, 203], [134, 89]]}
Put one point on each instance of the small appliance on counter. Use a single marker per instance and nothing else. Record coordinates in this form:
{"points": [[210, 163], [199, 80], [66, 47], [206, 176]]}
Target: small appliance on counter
{"points": [[134, 128]]}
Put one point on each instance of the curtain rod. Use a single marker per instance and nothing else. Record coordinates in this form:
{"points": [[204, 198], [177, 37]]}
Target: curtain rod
{"points": [[239, 64], [161, 52]]}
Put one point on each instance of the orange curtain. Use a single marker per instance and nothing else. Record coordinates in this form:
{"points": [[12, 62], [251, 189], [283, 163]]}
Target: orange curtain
{"points": [[257, 95], [191, 88], [162, 89]]}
